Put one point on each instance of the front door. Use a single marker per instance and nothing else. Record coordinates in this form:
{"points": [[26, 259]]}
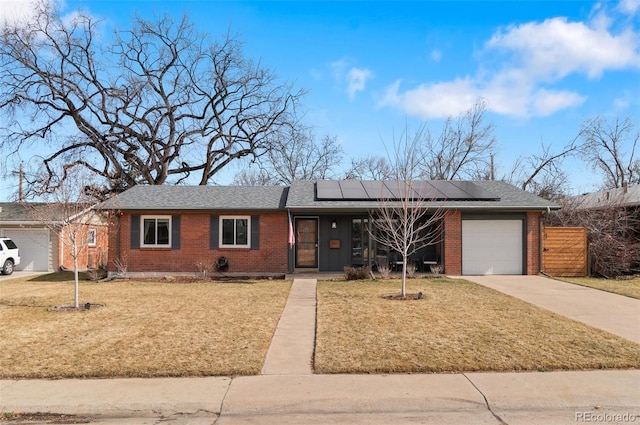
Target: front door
{"points": [[307, 242]]}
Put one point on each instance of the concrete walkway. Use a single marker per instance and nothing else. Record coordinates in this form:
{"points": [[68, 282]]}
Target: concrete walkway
{"points": [[613, 313], [291, 349]]}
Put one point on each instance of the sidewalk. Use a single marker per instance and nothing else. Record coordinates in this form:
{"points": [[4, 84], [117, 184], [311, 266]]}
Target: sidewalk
{"points": [[288, 393], [471, 398]]}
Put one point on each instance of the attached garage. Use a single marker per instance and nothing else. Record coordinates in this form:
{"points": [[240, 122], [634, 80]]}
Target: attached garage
{"points": [[34, 248], [492, 247]]}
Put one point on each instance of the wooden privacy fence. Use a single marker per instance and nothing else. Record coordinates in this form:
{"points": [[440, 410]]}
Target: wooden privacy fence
{"points": [[564, 251]]}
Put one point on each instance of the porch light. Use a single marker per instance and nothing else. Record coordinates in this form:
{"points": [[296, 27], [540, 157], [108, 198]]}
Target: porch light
{"points": [[334, 224]]}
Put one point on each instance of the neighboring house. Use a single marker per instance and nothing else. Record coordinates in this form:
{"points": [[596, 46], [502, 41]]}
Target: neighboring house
{"points": [[622, 197], [42, 247], [489, 227]]}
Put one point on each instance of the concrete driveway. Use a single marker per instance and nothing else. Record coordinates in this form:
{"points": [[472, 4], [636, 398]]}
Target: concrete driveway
{"points": [[613, 313], [17, 274]]}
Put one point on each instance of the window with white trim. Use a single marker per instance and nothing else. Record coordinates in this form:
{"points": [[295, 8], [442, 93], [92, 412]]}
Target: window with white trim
{"points": [[155, 231], [91, 237], [235, 231]]}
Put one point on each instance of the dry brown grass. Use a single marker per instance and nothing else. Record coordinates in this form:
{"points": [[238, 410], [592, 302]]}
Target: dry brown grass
{"points": [[627, 287], [458, 326], [142, 329]]}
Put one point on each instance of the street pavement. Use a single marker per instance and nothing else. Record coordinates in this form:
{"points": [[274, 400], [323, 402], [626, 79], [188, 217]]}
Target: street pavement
{"points": [[294, 395]]}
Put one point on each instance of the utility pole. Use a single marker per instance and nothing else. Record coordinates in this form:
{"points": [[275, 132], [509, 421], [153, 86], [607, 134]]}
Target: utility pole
{"points": [[20, 184], [493, 171]]}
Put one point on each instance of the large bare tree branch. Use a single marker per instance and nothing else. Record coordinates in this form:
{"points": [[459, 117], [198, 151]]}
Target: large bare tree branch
{"points": [[463, 149], [157, 103], [298, 156], [610, 146]]}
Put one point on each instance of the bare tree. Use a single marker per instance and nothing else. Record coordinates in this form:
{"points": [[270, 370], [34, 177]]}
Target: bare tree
{"points": [[253, 177], [463, 149], [68, 212], [542, 173], [611, 147], [369, 168], [158, 103], [298, 156], [404, 222]]}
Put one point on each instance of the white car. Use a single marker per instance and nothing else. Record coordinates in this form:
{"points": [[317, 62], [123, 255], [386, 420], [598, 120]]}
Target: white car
{"points": [[9, 255]]}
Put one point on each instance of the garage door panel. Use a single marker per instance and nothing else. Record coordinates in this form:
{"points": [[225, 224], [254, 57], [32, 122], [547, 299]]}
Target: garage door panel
{"points": [[33, 246], [492, 247]]}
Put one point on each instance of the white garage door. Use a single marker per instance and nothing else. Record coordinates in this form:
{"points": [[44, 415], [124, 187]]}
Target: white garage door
{"points": [[34, 248], [492, 247]]}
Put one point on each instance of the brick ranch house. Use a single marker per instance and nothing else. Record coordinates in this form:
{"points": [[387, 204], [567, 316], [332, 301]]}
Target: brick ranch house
{"points": [[488, 227]]}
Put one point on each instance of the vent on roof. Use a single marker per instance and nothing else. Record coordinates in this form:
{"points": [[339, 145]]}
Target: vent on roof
{"points": [[435, 190]]}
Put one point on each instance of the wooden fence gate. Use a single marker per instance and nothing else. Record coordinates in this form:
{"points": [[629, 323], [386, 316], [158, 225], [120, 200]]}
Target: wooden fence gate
{"points": [[564, 251]]}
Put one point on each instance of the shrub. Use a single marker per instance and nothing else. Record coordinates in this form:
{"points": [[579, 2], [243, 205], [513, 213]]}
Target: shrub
{"points": [[356, 273], [436, 268], [411, 269], [384, 271]]}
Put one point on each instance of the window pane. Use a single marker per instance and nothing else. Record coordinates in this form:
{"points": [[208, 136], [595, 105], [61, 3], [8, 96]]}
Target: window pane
{"points": [[91, 237], [228, 231], [149, 231], [242, 225], [356, 241], [163, 231]]}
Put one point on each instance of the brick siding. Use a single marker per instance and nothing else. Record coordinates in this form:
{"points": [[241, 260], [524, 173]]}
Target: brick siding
{"points": [[533, 242], [453, 243], [90, 257], [195, 253]]}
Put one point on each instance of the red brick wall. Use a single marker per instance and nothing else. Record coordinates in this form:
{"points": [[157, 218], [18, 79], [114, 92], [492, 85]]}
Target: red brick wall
{"points": [[453, 242], [533, 242], [90, 257], [194, 253]]}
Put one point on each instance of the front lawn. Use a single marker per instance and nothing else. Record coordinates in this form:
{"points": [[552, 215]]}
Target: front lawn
{"points": [[137, 329], [627, 287], [457, 326]]}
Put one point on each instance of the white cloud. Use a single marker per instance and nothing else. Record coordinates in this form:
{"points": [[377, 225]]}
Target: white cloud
{"points": [[532, 60], [356, 80], [432, 100], [13, 11], [546, 102], [556, 48], [16, 11], [436, 55], [338, 69], [629, 7]]}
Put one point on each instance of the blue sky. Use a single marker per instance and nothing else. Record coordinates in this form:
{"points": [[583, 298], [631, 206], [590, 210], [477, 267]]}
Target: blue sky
{"points": [[373, 68]]}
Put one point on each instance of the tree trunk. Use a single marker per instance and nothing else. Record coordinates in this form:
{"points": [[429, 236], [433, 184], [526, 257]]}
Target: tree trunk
{"points": [[75, 275], [404, 276]]}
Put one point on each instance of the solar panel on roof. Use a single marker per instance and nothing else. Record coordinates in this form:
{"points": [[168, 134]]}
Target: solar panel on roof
{"points": [[376, 189], [353, 189], [328, 189], [474, 191], [449, 190], [435, 190], [391, 189], [426, 190]]}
